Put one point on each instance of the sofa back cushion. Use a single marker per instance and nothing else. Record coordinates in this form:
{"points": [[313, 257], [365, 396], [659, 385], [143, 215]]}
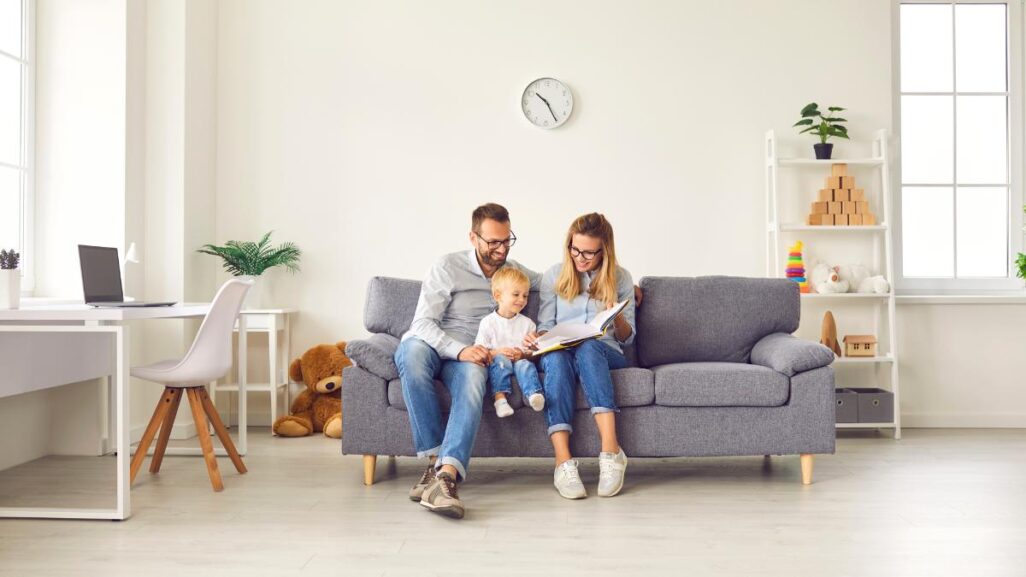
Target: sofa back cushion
{"points": [[711, 319]]}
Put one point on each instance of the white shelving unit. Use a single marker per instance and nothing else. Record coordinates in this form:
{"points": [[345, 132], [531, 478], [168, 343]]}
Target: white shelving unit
{"points": [[880, 235]]}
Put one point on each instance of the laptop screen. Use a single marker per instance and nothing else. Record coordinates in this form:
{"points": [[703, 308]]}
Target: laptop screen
{"points": [[101, 274]]}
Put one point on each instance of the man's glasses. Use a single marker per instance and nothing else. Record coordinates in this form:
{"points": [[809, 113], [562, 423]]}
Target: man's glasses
{"points": [[495, 244], [585, 254]]}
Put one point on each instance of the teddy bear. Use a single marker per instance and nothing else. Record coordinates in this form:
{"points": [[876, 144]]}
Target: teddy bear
{"points": [[847, 278], [319, 407], [827, 279]]}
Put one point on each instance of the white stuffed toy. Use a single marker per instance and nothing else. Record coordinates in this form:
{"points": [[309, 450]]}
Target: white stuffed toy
{"points": [[860, 279], [827, 280]]}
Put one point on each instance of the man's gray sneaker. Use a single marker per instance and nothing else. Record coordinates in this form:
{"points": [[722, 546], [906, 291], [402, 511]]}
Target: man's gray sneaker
{"points": [[425, 480], [440, 497], [612, 467], [568, 481]]}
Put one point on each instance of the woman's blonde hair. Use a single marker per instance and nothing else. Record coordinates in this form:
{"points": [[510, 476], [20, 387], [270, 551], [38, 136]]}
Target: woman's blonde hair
{"points": [[603, 286], [508, 276]]}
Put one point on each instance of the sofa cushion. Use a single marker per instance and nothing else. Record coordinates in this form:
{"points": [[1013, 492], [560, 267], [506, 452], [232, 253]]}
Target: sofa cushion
{"points": [[715, 319], [632, 387], [719, 385], [376, 353], [390, 305]]}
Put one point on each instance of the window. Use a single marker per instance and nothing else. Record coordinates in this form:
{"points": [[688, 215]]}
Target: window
{"points": [[16, 130], [960, 199]]}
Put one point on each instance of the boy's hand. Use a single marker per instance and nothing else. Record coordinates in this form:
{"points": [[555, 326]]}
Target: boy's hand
{"points": [[510, 353]]}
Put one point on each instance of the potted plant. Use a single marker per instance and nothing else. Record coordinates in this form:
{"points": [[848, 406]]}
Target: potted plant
{"points": [[1020, 259], [251, 259], [10, 279], [824, 127]]}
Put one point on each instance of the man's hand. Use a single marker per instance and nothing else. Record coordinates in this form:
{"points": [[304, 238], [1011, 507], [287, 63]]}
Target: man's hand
{"points": [[474, 354], [531, 340]]}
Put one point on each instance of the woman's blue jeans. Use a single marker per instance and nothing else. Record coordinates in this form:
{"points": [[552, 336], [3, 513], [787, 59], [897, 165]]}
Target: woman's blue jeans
{"points": [[590, 362]]}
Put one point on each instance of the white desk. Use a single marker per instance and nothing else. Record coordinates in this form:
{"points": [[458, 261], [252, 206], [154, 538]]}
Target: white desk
{"points": [[84, 319]]}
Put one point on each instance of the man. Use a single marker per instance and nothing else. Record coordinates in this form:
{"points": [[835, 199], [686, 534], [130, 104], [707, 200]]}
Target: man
{"points": [[453, 299]]}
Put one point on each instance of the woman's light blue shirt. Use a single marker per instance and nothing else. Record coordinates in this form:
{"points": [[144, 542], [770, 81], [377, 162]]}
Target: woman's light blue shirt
{"points": [[555, 309]]}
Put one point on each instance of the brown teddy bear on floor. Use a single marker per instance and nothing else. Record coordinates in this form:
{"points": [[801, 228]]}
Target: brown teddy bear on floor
{"points": [[319, 407]]}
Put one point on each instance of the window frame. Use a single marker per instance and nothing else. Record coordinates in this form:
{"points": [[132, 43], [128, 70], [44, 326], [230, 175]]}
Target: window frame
{"points": [[28, 152], [1015, 62]]}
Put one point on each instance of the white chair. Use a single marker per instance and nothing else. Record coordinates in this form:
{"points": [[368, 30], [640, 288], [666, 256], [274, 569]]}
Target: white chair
{"points": [[208, 359]]}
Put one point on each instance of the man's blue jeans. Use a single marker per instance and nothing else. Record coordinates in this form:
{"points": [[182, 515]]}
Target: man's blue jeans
{"points": [[591, 361], [500, 376], [452, 442]]}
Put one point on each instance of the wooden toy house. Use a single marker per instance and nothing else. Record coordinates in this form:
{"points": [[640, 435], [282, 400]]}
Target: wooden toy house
{"points": [[860, 346]]}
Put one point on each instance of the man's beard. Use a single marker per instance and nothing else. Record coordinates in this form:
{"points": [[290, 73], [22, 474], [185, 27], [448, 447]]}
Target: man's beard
{"points": [[493, 259]]}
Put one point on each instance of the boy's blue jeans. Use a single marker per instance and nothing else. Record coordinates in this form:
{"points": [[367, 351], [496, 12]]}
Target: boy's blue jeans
{"points": [[590, 361], [453, 441], [500, 376]]}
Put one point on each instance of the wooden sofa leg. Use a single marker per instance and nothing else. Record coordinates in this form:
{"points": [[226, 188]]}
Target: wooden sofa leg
{"points": [[369, 461], [806, 469]]}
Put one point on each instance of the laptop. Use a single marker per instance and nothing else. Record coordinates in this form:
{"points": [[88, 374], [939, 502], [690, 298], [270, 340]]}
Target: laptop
{"points": [[101, 278]]}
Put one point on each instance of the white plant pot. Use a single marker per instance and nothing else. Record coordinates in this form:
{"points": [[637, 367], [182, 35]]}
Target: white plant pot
{"points": [[10, 288], [255, 296]]}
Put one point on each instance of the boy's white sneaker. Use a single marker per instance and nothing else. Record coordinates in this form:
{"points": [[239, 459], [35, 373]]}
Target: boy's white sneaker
{"points": [[568, 481], [503, 409], [612, 467], [537, 401]]}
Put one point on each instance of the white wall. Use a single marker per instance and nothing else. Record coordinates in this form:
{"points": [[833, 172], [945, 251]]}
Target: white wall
{"points": [[367, 131]]}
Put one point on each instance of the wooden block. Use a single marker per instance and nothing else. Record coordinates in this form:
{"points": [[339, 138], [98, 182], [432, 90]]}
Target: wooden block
{"points": [[819, 208], [841, 195], [868, 219], [848, 207], [834, 182], [855, 219], [846, 182], [861, 207], [826, 219], [812, 219], [858, 194], [834, 208], [838, 169], [825, 195], [841, 219]]}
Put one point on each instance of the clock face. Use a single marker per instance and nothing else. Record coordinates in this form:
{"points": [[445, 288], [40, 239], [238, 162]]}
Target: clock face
{"points": [[547, 102]]}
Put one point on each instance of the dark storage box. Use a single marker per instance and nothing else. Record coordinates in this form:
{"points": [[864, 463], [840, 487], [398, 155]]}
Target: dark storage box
{"points": [[875, 405], [847, 407]]}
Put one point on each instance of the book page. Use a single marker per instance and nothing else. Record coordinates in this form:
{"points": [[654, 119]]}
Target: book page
{"points": [[566, 332], [602, 319]]}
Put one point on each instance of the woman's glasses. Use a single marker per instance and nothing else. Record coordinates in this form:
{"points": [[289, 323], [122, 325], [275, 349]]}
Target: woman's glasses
{"points": [[585, 254]]}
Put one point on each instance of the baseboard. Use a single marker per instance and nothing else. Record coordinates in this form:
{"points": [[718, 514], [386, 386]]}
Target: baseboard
{"points": [[963, 420]]}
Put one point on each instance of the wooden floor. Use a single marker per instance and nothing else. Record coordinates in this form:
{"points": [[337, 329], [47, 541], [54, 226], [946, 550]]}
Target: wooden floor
{"points": [[938, 502]]}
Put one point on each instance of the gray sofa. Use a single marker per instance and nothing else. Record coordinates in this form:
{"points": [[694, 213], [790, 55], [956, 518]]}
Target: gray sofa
{"points": [[714, 372]]}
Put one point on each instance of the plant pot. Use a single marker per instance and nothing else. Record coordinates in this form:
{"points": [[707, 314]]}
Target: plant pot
{"points": [[255, 296], [823, 150], [10, 289]]}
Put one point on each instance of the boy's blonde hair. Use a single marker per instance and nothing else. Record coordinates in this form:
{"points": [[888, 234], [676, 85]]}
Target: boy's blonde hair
{"points": [[508, 276]]}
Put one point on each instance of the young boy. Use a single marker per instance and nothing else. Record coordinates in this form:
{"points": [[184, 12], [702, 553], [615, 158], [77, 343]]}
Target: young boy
{"points": [[502, 333]]}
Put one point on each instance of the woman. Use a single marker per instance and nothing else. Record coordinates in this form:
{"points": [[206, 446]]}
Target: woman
{"points": [[588, 281]]}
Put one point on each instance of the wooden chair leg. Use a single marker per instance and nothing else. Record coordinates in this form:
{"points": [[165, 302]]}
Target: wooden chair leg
{"points": [[806, 469], [144, 445], [222, 432], [204, 438], [165, 431], [369, 461]]}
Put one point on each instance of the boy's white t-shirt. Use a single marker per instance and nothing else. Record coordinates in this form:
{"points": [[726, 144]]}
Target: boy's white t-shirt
{"points": [[498, 332]]}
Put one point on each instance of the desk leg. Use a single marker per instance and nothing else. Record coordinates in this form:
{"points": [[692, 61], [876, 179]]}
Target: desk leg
{"points": [[272, 355], [243, 339], [285, 363], [123, 442]]}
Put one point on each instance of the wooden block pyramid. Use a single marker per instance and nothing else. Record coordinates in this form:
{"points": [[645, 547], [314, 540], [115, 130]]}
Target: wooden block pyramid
{"points": [[795, 270], [840, 203]]}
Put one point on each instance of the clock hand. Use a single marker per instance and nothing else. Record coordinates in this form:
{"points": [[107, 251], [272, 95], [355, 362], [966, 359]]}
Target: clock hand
{"points": [[549, 106]]}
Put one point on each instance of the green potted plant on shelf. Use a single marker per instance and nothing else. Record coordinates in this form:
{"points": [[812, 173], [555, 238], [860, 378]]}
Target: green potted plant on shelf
{"points": [[249, 260], [1020, 259], [824, 126], [10, 279]]}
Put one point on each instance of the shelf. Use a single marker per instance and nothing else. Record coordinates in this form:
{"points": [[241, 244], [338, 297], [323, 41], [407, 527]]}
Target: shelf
{"points": [[844, 296], [863, 360], [831, 228], [817, 162], [865, 425]]}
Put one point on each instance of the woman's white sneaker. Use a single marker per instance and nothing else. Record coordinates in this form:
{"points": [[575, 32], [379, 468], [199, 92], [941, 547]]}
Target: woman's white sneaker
{"points": [[502, 408], [612, 467], [568, 481]]}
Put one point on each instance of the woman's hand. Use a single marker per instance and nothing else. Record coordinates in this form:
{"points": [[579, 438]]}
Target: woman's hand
{"points": [[621, 329], [531, 340]]}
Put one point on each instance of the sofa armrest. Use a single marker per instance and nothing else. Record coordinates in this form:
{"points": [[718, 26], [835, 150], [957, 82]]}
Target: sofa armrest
{"points": [[789, 355], [376, 354]]}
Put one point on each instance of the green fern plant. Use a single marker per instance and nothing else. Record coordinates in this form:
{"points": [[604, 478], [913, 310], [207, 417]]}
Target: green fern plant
{"points": [[253, 258], [1020, 259], [827, 126]]}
